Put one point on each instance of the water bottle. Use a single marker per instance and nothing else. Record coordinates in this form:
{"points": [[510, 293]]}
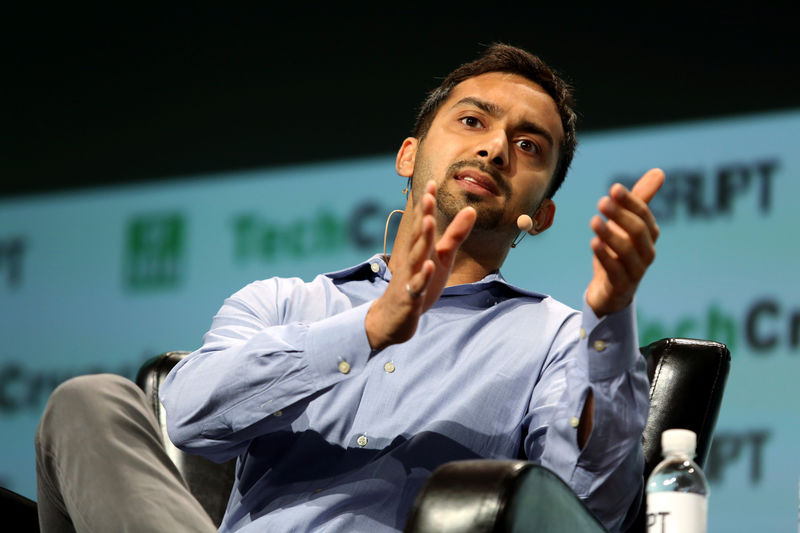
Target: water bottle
{"points": [[677, 490]]}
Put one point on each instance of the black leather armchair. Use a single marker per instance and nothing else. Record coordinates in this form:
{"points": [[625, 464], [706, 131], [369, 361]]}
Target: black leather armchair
{"points": [[687, 381]]}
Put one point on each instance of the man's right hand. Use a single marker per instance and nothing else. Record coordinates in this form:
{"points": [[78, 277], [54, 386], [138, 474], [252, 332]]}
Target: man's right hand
{"points": [[420, 276]]}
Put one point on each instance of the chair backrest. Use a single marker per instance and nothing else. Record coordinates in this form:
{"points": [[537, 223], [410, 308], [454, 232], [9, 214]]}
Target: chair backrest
{"points": [[687, 380], [211, 483]]}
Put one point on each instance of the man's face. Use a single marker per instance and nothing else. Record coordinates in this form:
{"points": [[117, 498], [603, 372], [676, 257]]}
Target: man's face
{"points": [[492, 145]]}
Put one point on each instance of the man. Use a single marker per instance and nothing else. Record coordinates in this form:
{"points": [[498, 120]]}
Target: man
{"points": [[339, 396]]}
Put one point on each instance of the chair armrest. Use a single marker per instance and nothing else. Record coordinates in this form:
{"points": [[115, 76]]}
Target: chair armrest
{"points": [[481, 496]]}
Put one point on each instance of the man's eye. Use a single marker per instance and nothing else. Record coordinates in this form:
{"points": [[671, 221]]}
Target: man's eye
{"points": [[471, 122], [528, 146]]}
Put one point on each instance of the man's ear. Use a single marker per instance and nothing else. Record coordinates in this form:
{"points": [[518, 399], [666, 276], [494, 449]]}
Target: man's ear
{"points": [[406, 157], [543, 218]]}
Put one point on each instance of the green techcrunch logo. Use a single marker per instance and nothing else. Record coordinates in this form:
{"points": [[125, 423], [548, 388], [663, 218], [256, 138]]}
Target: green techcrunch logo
{"points": [[256, 238], [155, 251]]}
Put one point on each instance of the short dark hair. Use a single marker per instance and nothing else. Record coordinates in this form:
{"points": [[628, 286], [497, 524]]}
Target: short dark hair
{"points": [[505, 58]]}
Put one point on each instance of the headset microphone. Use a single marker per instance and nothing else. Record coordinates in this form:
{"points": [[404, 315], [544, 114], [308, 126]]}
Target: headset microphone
{"points": [[525, 225]]}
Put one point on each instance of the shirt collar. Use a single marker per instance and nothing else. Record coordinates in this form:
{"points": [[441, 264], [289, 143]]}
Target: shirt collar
{"points": [[377, 266]]}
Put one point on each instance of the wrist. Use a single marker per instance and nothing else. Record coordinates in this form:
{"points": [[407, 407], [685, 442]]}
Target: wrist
{"points": [[603, 306], [372, 325]]}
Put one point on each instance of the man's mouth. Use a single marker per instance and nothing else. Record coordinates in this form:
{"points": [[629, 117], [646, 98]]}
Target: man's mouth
{"points": [[476, 182]]}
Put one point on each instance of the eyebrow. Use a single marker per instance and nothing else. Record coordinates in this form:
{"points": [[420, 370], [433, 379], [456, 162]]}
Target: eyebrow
{"points": [[495, 111]]}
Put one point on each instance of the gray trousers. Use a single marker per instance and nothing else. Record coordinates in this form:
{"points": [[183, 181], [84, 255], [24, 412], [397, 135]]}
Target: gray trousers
{"points": [[101, 464]]}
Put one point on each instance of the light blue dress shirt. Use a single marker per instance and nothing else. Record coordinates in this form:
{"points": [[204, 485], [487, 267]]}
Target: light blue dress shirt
{"points": [[333, 436]]}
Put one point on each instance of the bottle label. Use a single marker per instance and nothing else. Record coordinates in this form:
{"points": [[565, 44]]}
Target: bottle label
{"points": [[676, 512]]}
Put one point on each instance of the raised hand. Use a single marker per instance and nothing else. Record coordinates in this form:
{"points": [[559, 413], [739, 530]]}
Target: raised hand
{"points": [[420, 269], [624, 245]]}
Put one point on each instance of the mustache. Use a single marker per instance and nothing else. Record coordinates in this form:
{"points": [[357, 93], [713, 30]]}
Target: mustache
{"points": [[495, 174]]}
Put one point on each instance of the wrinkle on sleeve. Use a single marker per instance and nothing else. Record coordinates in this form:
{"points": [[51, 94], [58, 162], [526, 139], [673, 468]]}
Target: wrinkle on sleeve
{"points": [[600, 356]]}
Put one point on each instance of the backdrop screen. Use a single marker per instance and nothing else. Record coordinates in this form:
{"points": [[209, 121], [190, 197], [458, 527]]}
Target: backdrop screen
{"points": [[101, 280]]}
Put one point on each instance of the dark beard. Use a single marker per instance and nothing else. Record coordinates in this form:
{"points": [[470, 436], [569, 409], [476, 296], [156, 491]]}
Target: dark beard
{"points": [[448, 205]]}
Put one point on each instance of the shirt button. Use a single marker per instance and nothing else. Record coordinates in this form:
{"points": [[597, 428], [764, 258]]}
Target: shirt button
{"points": [[362, 441], [389, 367], [583, 333], [599, 345], [278, 413], [344, 367], [574, 421], [375, 267]]}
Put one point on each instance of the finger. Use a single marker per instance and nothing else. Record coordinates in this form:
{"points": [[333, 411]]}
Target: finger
{"points": [[428, 201], [629, 225], [617, 275], [455, 234], [421, 208], [421, 245], [621, 245], [627, 201], [418, 283], [422, 235], [648, 184]]}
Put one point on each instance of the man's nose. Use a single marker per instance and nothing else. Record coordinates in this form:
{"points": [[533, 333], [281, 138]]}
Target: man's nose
{"points": [[494, 147]]}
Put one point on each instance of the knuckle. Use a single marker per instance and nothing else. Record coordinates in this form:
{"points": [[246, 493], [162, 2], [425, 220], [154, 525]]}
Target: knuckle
{"points": [[638, 226], [625, 247]]}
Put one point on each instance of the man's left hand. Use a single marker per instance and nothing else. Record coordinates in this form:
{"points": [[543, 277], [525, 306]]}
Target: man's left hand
{"points": [[624, 245]]}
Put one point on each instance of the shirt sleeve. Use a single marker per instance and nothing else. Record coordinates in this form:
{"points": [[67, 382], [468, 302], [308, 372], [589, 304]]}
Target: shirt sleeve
{"points": [[254, 373], [601, 358]]}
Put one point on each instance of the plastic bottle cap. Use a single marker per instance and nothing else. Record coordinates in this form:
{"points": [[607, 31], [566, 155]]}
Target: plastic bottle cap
{"points": [[678, 440]]}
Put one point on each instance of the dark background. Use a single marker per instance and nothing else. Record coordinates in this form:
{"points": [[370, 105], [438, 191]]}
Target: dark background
{"points": [[114, 94]]}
